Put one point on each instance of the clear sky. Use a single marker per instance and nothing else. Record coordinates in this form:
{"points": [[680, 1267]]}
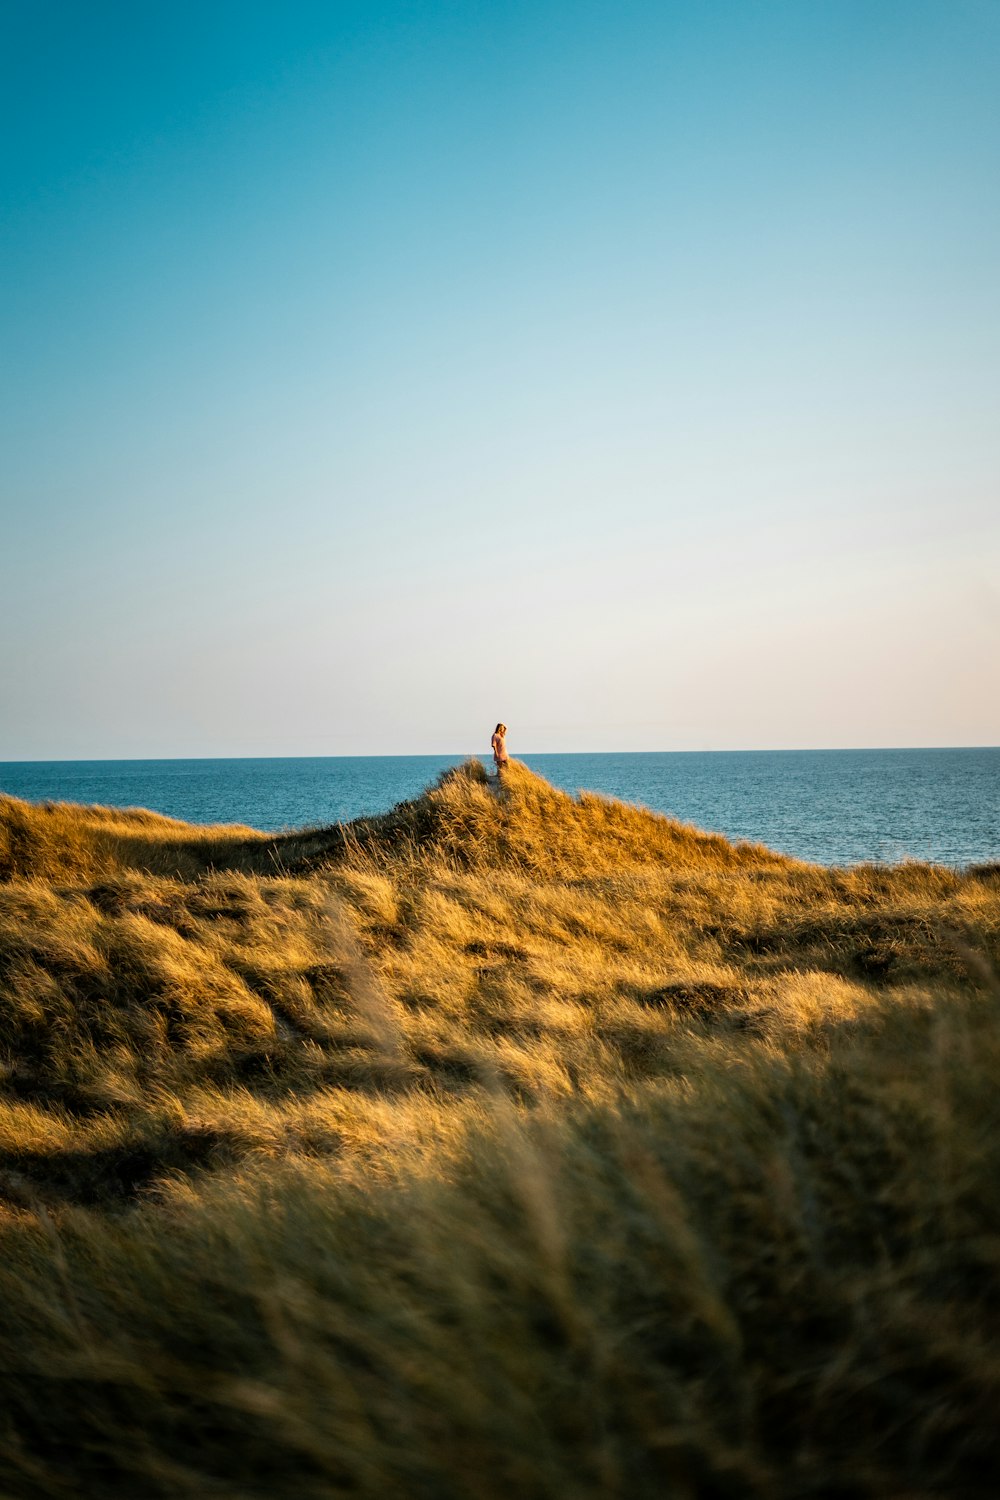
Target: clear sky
{"points": [[627, 371]]}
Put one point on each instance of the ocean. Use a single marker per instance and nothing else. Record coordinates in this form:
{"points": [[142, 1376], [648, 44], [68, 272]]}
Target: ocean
{"points": [[836, 807]]}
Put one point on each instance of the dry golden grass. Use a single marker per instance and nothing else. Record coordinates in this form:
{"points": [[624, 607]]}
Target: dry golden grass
{"points": [[510, 1143]]}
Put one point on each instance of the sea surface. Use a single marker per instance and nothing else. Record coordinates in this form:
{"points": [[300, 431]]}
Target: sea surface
{"points": [[833, 806]]}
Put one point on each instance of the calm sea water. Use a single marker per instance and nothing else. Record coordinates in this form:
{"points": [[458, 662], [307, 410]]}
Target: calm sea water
{"points": [[832, 806]]}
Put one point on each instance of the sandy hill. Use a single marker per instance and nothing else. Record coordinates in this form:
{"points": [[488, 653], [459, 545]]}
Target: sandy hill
{"points": [[509, 1143]]}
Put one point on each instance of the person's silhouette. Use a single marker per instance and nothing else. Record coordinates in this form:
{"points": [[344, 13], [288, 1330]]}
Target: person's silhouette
{"points": [[499, 743]]}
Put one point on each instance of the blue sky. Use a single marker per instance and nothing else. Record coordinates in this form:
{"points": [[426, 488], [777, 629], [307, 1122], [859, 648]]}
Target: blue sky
{"points": [[373, 372]]}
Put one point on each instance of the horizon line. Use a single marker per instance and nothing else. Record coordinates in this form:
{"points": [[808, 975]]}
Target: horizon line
{"points": [[476, 754]]}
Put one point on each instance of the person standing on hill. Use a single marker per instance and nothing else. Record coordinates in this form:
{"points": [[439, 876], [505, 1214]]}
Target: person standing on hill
{"points": [[499, 743]]}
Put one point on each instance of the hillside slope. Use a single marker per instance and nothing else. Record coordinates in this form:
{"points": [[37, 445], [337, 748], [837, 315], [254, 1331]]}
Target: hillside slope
{"points": [[464, 819], [507, 1143]]}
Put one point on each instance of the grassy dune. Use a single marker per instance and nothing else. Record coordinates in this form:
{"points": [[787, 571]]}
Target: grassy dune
{"points": [[507, 1144]]}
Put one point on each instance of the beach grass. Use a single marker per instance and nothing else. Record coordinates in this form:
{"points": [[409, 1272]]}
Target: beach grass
{"points": [[510, 1143]]}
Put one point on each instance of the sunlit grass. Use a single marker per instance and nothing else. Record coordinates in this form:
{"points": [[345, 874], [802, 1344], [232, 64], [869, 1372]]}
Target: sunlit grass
{"points": [[509, 1143]]}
